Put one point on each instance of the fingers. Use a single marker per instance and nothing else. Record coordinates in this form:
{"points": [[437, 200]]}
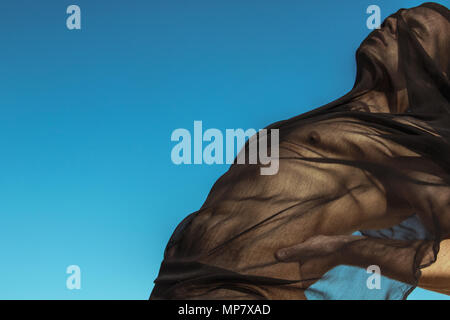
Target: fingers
{"points": [[314, 247], [295, 253]]}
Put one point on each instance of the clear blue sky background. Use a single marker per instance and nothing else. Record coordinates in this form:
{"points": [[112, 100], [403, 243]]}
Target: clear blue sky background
{"points": [[86, 118]]}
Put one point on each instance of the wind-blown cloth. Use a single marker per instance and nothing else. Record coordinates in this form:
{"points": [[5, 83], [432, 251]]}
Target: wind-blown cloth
{"points": [[343, 168]]}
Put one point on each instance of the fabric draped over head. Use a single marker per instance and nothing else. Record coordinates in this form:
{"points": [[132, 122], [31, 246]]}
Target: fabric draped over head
{"points": [[424, 79]]}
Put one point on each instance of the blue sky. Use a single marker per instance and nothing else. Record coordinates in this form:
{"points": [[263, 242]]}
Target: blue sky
{"points": [[86, 118]]}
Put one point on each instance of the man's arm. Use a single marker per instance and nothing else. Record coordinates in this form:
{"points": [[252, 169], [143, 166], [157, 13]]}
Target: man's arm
{"points": [[394, 257]]}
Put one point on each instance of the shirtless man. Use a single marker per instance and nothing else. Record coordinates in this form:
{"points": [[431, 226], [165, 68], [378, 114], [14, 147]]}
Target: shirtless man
{"points": [[349, 166], [349, 250]]}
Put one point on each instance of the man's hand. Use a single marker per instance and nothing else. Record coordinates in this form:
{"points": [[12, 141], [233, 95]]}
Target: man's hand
{"points": [[314, 247], [317, 255]]}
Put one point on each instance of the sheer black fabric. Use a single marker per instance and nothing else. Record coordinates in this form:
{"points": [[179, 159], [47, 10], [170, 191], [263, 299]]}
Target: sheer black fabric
{"points": [[377, 160]]}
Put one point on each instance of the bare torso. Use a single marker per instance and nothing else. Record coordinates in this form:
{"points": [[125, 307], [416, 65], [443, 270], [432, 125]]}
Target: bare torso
{"points": [[247, 217]]}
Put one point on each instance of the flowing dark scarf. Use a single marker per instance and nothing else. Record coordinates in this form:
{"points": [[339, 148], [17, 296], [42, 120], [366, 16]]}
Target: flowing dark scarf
{"points": [[192, 268]]}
